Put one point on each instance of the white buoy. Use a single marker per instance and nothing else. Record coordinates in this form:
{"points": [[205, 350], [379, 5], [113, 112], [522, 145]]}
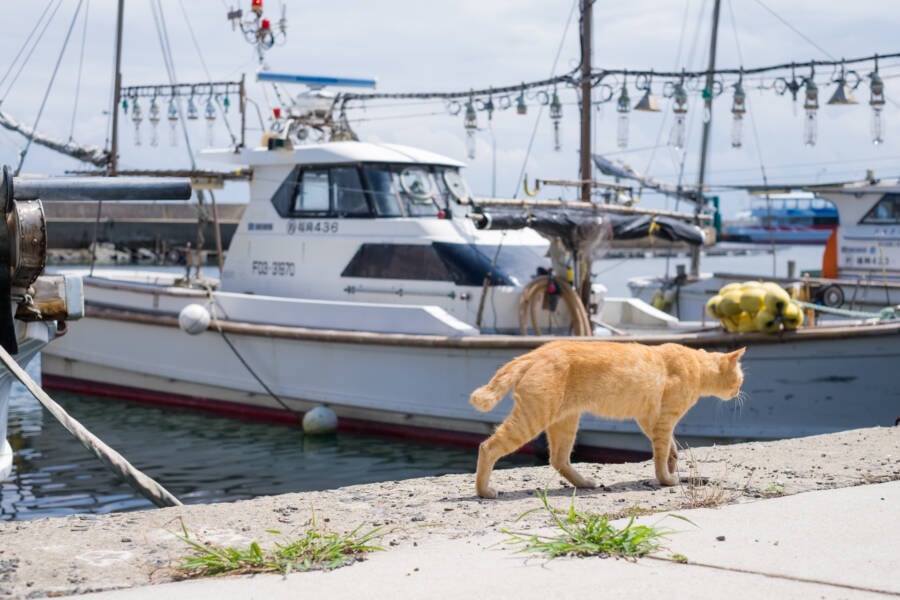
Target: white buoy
{"points": [[320, 419], [193, 319]]}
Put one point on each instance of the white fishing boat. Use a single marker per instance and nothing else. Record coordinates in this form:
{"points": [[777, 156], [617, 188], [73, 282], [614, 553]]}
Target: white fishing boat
{"points": [[860, 261], [365, 277], [358, 279]]}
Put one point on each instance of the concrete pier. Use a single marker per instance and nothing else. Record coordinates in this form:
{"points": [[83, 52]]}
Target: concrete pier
{"points": [[808, 517]]}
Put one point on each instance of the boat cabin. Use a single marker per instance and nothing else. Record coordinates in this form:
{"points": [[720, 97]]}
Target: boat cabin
{"points": [[866, 245], [381, 223]]}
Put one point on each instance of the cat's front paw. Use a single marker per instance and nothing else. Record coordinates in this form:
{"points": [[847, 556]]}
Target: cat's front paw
{"points": [[487, 492]]}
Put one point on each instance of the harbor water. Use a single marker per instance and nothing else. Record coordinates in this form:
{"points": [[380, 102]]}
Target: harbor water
{"points": [[203, 458]]}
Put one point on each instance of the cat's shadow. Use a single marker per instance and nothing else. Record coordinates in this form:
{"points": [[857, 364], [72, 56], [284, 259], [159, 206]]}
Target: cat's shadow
{"points": [[507, 495]]}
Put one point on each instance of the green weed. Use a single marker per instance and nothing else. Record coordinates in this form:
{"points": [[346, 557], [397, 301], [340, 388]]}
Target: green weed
{"points": [[590, 534], [315, 549]]}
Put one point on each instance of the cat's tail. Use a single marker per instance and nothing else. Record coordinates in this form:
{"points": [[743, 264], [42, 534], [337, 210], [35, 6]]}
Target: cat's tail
{"points": [[488, 396]]}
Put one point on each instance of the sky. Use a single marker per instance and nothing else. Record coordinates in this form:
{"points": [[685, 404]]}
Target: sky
{"points": [[423, 45]]}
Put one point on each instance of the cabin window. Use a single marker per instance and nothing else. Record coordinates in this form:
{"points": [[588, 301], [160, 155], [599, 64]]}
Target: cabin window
{"points": [[322, 192], [312, 193], [886, 212], [381, 185], [462, 264], [348, 193], [402, 191], [397, 261]]}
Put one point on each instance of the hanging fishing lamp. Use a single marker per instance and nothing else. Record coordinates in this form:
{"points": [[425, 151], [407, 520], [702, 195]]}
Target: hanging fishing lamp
{"points": [[648, 102], [679, 97], [172, 116], [192, 113], [154, 122], [470, 123], [738, 108], [209, 113], [623, 107], [136, 118], [843, 94], [521, 107], [811, 106], [876, 101], [489, 108], [555, 116]]}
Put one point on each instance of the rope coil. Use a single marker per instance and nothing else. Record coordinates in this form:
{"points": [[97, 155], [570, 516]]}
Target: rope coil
{"points": [[534, 294]]}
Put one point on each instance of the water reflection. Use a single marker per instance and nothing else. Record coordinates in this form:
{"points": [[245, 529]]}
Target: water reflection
{"points": [[199, 458]]}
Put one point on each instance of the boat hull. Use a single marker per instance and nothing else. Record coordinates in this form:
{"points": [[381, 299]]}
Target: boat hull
{"points": [[805, 383], [31, 338]]}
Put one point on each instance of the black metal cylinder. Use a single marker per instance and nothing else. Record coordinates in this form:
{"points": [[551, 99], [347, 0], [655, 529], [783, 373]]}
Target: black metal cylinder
{"points": [[97, 188]]}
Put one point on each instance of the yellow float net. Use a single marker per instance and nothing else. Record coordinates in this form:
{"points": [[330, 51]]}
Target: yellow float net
{"points": [[755, 306]]}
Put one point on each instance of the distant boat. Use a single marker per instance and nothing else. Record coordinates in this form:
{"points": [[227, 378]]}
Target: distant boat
{"points": [[793, 218]]}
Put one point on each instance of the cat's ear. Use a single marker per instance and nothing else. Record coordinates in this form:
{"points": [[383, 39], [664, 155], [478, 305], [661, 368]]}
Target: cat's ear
{"points": [[736, 355]]}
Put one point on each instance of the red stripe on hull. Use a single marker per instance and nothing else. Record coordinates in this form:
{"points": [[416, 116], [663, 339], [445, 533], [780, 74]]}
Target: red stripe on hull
{"points": [[427, 435]]}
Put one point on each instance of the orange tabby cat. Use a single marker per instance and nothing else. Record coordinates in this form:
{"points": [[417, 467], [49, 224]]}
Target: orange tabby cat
{"points": [[555, 383]]}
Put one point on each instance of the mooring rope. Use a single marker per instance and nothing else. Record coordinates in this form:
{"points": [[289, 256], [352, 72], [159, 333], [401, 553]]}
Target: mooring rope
{"points": [[213, 306], [885, 314], [147, 487]]}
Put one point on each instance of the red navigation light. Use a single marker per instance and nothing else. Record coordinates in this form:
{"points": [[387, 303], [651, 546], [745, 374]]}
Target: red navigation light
{"points": [[265, 25], [256, 6], [277, 112]]}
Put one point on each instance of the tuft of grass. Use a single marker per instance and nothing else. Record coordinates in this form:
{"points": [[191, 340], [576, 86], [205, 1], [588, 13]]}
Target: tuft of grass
{"points": [[589, 534], [774, 490], [699, 492], [315, 549]]}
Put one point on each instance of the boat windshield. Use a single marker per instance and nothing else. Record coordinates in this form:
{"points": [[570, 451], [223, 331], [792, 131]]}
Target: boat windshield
{"points": [[368, 190], [886, 212], [402, 191]]}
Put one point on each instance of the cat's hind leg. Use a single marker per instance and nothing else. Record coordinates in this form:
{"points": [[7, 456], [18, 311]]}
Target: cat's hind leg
{"points": [[561, 439], [673, 456], [514, 432], [663, 459]]}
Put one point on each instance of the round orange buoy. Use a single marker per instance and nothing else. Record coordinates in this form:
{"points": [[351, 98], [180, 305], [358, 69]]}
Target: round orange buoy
{"points": [[829, 257]]}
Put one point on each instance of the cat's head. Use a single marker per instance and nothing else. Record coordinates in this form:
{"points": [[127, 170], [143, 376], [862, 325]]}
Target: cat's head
{"points": [[731, 375]]}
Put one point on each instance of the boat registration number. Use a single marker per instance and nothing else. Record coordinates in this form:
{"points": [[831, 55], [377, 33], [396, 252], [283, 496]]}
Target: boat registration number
{"points": [[276, 268], [295, 227]]}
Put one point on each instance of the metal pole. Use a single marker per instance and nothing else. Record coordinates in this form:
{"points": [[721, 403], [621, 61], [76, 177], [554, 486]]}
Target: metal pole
{"points": [[586, 18], [243, 103], [707, 125], [117, 95]]}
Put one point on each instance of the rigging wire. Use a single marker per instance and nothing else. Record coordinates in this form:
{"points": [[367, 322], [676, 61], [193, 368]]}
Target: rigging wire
{"points": [[665, 119], [762, 164], [31, 51], [37, 119], [537, 119], [87, 10], [168, 61], [795, 30], [187, 21]]}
